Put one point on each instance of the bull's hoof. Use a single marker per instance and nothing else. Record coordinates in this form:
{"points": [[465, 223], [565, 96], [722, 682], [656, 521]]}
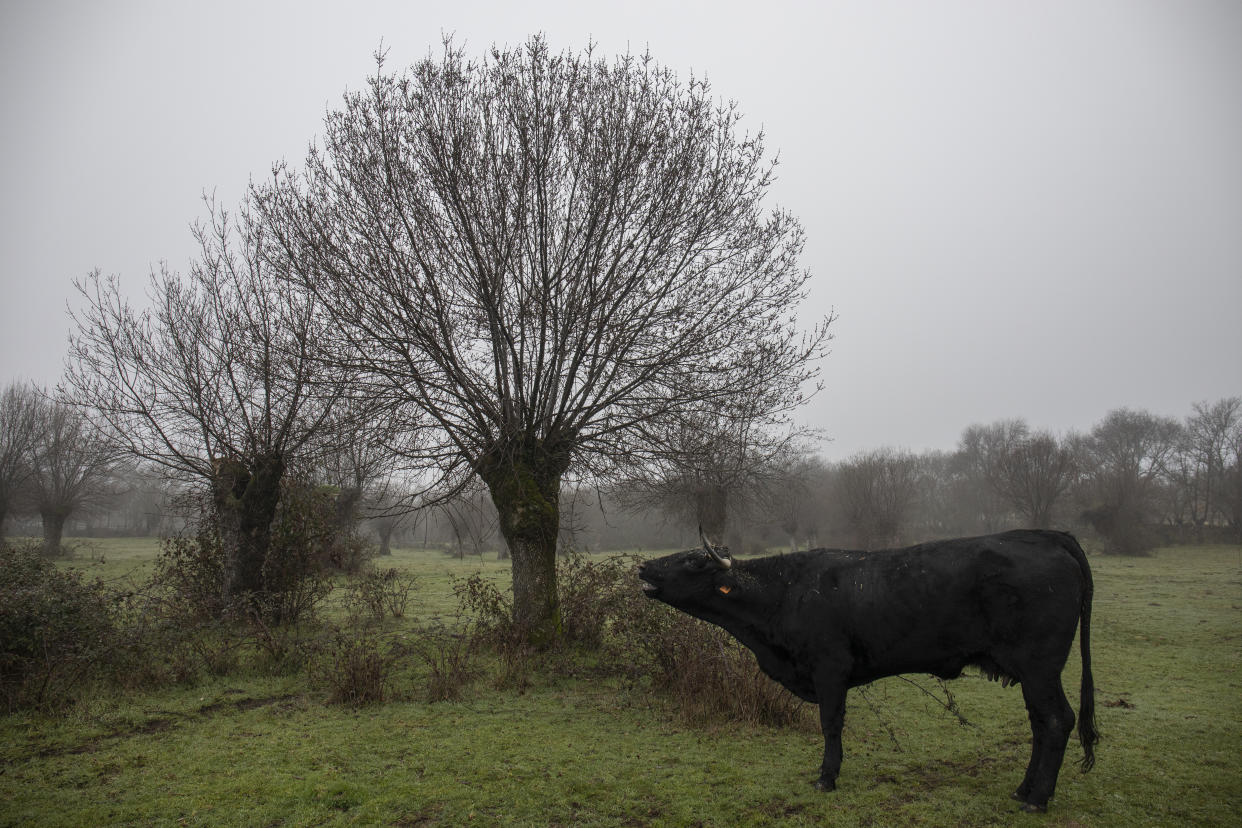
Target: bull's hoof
{"points": [[825, 785], [1028, 807]]}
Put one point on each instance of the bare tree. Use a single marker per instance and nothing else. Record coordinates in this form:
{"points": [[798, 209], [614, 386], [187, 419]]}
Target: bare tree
{"points": [[793, 497], [1032, 474], [358, 457], [714, 465], [1126, 456], [977, 466], [876, 492], [1199, 466], [1231, 492], [20, 427], [221, 381], [554, 257], [71, 466]]}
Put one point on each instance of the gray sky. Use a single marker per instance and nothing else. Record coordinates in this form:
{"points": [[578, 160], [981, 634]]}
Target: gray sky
{"points": [[1016, 208]]}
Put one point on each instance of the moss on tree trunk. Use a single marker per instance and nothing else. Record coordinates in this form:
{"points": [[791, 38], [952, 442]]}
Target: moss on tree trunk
{"points": [[524, 478], [246, 498]]}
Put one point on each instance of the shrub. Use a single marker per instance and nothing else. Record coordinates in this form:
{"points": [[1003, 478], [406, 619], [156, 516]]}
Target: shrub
{"points": [[355, 668], [449, 656], [490, 610], [55, 628], [708, 674], [193, 568], [378, 593], [593, 595]]}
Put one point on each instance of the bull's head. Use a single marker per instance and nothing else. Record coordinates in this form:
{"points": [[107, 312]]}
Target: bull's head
{"points": [[691, 581]]}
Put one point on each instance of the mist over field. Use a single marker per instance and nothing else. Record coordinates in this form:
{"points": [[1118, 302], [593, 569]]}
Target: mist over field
{"points": [[1015, 211], [366, 372]]}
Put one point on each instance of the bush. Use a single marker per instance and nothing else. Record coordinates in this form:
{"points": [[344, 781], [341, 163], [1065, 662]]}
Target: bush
{"points": [[379, 593], [193, 568], [55, 628], [355, 668], [449, 656], [594, 594], [708, 674]]}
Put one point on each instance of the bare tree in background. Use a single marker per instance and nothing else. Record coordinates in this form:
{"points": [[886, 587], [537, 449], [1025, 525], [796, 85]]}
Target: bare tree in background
{"points": [[1032, 473], [358, 456], [555, 258], [1126, 455], [20, 426], [793, 497], [221, 381], [71, 466], [715, 465], [1201, 462], [977, 466], [1231, 493], [390, 508], [876, 492]]}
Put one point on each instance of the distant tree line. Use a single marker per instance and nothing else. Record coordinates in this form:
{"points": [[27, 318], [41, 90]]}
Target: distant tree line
{"points": [[1134, 479]]}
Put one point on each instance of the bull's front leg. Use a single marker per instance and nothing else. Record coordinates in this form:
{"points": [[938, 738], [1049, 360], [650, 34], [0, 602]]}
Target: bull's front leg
{"points": [[831, 693]]}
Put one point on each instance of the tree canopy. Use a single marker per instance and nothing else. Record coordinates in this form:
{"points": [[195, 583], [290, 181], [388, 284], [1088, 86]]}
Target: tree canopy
{"points": [[550, 258]]}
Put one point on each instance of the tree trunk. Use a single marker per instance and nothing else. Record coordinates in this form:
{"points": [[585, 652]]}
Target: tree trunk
{"points": [[384, 531], [712, 508], [53, 530], [246, 499], [524, 479]]}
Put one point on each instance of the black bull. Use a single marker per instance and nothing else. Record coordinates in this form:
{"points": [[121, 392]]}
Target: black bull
{"points": [[823, 621]]}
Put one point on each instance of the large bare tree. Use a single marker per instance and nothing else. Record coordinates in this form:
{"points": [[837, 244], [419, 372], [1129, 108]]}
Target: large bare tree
{"points": [[20, 427], [553, 256], [221, 380]]}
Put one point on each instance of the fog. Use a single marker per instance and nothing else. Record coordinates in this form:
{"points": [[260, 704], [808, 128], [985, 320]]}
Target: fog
{"points": [[1025, 210]]}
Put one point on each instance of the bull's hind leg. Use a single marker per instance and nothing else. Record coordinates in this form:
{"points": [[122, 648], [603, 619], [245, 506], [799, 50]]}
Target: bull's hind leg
{"points": [[831, 693], [1052, 720]]}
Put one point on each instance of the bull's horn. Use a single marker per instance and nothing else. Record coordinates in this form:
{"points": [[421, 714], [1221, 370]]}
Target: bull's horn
{"points": [[724, 561]]}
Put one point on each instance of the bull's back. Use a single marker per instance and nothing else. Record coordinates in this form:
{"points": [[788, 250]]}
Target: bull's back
{"points": [[940, 606]]}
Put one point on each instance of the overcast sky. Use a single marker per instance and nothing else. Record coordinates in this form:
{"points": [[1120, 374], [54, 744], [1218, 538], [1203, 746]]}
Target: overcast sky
{"points": [[1016, 208]]}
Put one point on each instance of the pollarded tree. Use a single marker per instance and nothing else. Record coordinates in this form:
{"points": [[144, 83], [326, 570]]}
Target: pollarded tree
{"points": [[222, 380], [554, 257], [20, 428], [71, 467]]}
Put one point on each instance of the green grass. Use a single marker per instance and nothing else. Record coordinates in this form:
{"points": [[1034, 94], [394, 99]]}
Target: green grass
{"points": [[253, 750]]}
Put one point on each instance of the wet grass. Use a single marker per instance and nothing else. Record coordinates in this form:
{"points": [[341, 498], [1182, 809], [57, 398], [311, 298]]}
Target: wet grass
{"points": [[581, 749]]}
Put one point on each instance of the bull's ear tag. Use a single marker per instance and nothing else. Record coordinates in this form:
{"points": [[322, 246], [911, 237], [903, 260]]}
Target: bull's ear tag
{"points": [[725, 589]]}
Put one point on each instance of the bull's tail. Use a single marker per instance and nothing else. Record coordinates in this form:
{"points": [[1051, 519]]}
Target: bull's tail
{"points": [[1088, 729]]}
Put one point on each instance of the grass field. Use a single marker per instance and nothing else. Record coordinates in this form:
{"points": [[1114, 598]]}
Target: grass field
{"points": [[580, 749]]}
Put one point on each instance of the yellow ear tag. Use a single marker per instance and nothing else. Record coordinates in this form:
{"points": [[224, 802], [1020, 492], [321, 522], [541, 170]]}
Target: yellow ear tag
{"points": [[725, 589]]}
